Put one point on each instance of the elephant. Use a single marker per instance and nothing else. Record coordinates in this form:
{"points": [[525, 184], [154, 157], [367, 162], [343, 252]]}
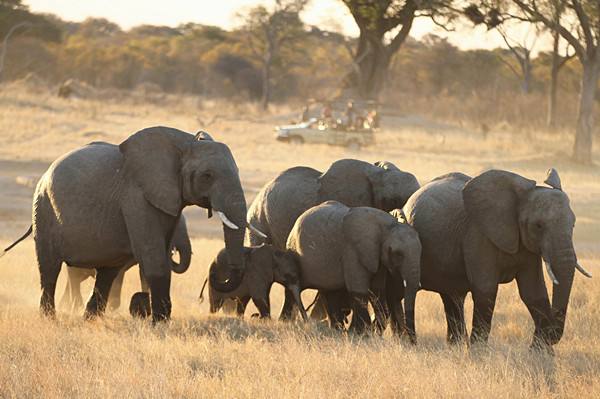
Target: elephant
{"points": [[341, 249], [105, 206], [72, 296], [352, 182], [488, 230], [265, 265]]}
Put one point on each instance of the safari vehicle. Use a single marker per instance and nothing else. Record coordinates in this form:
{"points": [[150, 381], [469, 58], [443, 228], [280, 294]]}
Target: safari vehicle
{"points": [[319, 132]]}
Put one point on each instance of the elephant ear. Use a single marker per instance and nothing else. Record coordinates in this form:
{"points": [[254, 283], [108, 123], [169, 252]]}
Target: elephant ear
{"points": [[491, 201], [361, 240], [152, 159], [553, 179], [376, 177], [387, 165], [202, 135]]}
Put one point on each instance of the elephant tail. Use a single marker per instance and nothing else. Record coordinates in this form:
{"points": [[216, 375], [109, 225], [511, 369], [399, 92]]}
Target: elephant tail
{"points": [[24, 236], [201, 297]]}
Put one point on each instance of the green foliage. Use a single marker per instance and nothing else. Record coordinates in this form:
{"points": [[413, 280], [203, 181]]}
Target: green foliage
{"points": [[210, 61], [14, 12]]}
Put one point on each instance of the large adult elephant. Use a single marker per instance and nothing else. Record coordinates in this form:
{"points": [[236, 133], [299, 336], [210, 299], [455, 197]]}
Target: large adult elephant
{"points": [[104, 206], [484, 231], [351, 182], [180, 245]]}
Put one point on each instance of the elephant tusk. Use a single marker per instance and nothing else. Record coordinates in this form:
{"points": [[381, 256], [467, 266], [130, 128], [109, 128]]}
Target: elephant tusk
{"points": [[226, 221], [257, 231], [550, 272], [404, 281], [577, 265]]}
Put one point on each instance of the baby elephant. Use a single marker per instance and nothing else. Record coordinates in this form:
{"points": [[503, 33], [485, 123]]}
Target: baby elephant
{"points": [[264, 265], [341, 249]]}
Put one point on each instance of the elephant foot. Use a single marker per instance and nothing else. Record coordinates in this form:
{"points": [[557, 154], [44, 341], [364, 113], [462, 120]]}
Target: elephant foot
{"points": [[93, 308], [139, 306], [48, 312]]}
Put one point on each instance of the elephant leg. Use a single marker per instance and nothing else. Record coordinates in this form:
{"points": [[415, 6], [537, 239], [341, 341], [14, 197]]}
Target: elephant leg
{"points": [[143, 283], [454, 307], [263, 306], [361, 319], [288, 312], [215, 300], [97, 302], [319, 309], [65, 299], [240, 305], [114, 296], [49, 264], [533, 293], [484, 302], [335, 301], [379, 301], [76, 298], [229, 305]]}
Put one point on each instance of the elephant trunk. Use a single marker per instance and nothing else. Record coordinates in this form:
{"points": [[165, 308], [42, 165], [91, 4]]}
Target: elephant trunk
{"points": [[181, 243], [232, 210], [411, 272], [410, 296], [295, 289], [562, 263]]}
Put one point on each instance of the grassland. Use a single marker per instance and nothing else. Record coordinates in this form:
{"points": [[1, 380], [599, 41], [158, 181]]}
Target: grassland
{"points": [[198, 355]]}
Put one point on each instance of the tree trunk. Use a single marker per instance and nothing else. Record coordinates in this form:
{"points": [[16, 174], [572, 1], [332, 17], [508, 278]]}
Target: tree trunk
{"points": [[266, 89], [371, 62], [551, 118], [582, 150]]}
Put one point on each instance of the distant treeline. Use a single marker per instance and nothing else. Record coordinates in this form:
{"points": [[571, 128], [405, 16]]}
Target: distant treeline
{"points": [[210, 61]]}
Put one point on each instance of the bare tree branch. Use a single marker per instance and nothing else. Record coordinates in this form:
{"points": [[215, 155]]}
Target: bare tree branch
{"points": [[5, 41]]}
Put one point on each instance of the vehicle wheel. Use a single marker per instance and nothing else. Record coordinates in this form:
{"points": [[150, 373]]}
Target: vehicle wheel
{"points": [[353, 146], [296, 140]]}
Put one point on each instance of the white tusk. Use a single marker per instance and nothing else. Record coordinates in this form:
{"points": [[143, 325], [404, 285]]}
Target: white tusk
{"points": [[404, 281], [577, 265], [550, 272], [226, 221], [257, 231]]}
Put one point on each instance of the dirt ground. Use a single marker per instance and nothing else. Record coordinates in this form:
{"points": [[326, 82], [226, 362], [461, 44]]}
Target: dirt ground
{"points": [[202, 355]]}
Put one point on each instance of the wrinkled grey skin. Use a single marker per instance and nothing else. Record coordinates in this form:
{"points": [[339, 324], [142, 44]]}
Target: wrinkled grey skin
{"points": [[105, 206], [349, 181], [480, 232], [264, 265], [73, 300], [342, 249]]}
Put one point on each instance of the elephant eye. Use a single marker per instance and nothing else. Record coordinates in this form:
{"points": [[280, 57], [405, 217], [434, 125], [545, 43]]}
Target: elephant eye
{"points": [[206, 175], [539, 225]]}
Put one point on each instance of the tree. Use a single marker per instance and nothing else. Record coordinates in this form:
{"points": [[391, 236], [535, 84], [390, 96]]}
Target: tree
{"points": [[579, 24], [267, 31], [521, 52], [558, 61], [15, 18], [377, 21]]}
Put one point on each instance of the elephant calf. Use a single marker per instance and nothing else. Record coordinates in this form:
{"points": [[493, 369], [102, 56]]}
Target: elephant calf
{"points": [[180, 243], [341, 249], [264, 265]]}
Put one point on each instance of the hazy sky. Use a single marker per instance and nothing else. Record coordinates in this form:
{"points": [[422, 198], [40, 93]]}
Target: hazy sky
{"points": [[331, 14]]}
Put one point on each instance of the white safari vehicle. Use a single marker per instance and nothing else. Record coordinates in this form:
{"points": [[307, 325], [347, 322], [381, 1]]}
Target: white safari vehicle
{"points": [[316, 131]]}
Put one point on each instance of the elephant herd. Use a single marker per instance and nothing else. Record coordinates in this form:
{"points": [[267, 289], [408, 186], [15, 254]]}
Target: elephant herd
{"points": [[359, 233]]}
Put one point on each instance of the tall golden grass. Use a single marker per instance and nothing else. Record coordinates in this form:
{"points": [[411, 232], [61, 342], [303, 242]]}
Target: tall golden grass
{"points": [[202, 355]]}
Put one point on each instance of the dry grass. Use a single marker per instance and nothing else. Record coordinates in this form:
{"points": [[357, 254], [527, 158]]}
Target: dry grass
{"points": [[201, 355]]}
